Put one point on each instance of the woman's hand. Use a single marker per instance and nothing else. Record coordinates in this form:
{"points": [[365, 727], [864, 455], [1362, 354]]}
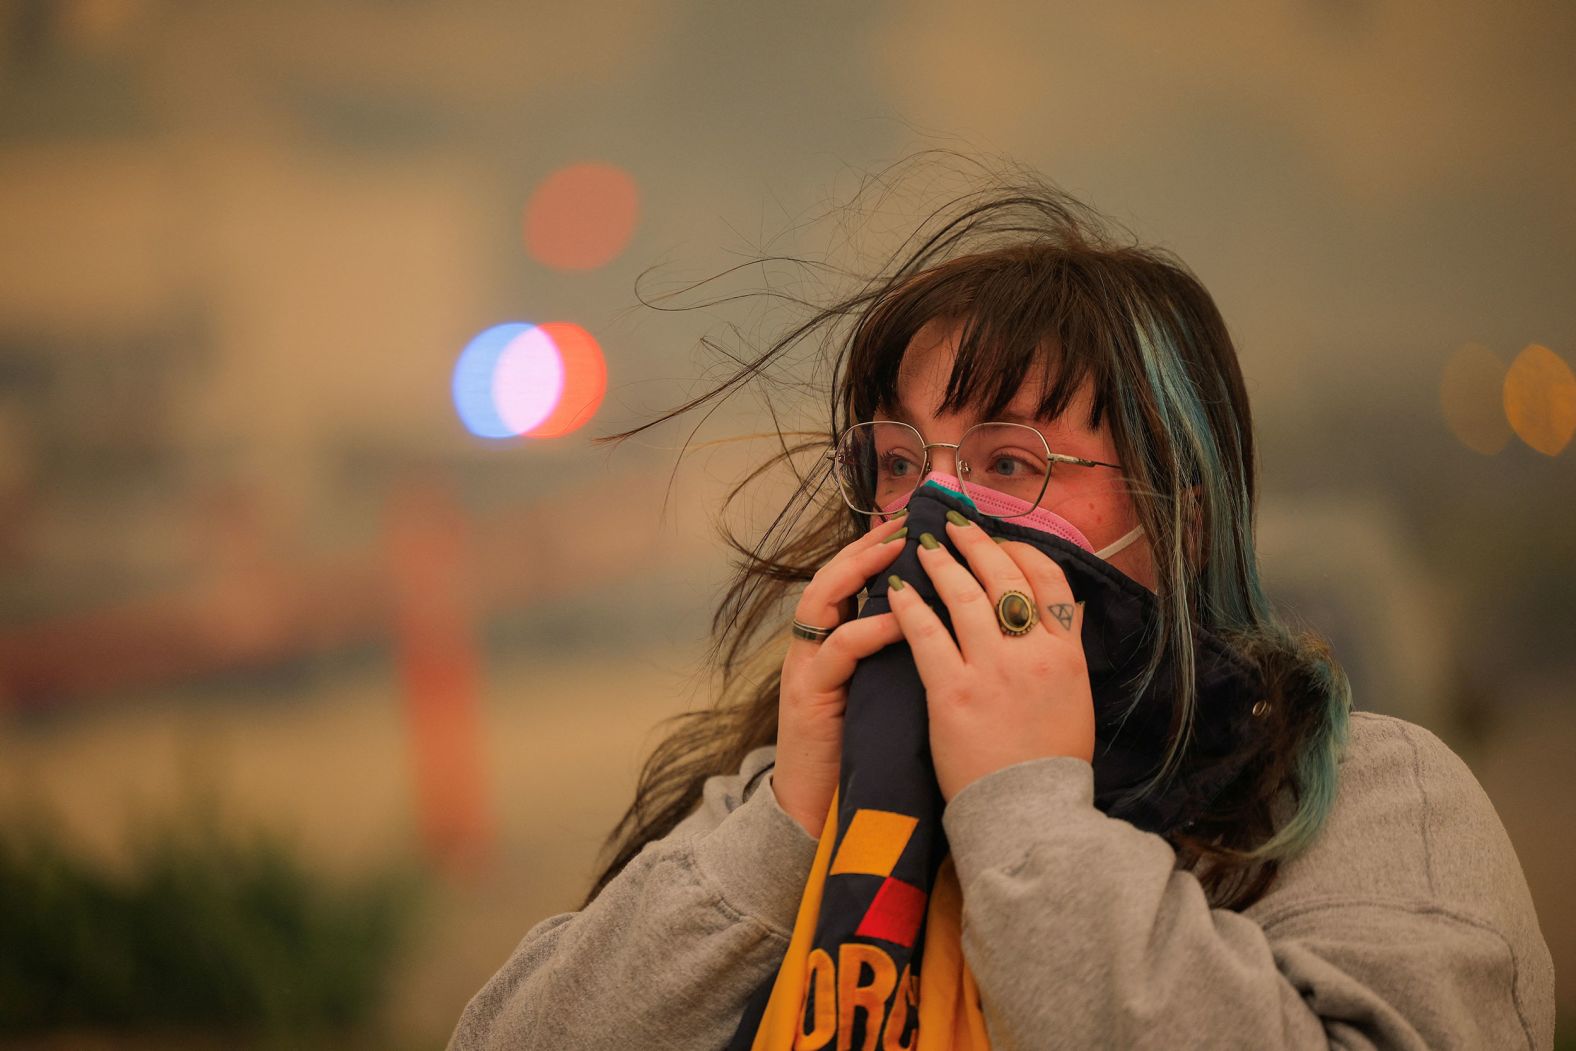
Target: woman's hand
{"points": [[814, 690], [997, 699]]}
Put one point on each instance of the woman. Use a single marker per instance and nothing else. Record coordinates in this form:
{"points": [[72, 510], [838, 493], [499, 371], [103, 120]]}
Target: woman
{"points": [[1345, 882]]}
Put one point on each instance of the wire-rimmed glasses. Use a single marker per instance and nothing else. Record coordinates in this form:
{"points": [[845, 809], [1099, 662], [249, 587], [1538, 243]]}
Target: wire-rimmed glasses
{"points": [[879, 464]]}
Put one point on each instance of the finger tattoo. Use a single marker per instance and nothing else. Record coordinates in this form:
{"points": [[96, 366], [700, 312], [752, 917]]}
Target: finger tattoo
{"points": [[1063, 612]]}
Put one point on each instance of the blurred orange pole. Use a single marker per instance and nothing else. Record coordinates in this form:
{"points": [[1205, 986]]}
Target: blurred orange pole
{"points": [[434, 635]]}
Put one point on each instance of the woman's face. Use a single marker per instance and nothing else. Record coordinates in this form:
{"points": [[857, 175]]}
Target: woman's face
{"points": [[1092, 498]]}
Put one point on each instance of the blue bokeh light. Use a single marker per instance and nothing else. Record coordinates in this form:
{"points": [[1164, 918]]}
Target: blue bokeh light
{"points": [[473, 380]]}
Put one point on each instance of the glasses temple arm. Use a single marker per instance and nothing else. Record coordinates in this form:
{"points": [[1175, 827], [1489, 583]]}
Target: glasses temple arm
{"points": [[1081, 462]]}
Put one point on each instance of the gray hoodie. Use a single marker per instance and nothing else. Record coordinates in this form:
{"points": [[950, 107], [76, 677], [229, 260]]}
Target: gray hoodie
{"points": [[1408, 924]]}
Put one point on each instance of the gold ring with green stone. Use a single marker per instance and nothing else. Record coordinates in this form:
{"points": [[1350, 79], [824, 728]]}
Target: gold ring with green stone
{"points": [[1016, 614]]}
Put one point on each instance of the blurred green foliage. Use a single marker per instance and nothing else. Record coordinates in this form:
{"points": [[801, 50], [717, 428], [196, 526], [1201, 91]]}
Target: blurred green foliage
{"points": [[200, 928]]}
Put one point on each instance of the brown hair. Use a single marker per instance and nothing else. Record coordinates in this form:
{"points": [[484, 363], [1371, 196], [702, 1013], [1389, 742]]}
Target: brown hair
{"points": [[1034, 277]]}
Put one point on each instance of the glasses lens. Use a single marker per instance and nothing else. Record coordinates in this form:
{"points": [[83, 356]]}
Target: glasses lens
{"points": [[1005, 458], [879, 464]]}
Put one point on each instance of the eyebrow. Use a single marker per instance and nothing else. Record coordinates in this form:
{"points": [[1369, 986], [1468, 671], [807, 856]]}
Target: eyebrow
{"points": [[895, 411], [1018, 417], [900, 413]]}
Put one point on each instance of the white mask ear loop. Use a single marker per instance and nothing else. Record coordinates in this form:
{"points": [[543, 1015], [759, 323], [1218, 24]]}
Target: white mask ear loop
{"points": [[1112, 548]]}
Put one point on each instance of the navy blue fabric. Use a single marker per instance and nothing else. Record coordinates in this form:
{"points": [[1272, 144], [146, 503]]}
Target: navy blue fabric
{"points": [[886, 761]]}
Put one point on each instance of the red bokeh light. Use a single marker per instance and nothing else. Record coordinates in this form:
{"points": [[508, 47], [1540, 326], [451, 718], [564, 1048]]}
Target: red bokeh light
{"points": [[585, 380], [582, 216]]}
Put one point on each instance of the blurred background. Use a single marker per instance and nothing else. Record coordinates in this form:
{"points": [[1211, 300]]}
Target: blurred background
{"points": [[330, 645]]}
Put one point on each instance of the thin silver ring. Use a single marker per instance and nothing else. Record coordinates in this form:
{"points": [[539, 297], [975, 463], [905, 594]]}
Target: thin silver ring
{"points": [[811, 633]]}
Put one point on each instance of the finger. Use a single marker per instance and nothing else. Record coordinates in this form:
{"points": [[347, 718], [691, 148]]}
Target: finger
{"points": [[872, 537], [826, 600], [832, 665], [973, 617], [1053, 595], [992, 567], [879, 529], [935, 655]]}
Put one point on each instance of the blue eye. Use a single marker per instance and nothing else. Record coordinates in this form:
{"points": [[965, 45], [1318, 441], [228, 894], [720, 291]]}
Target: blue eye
{"points": [[895, 465], [1005, 464]]}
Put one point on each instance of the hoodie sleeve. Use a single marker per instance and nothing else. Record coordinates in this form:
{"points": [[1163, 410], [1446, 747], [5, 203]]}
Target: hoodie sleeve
{"points": [[670, 950], [1407, 925]]}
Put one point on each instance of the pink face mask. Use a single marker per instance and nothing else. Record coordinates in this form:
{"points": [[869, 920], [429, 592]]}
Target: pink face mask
{"points": [[994, 503]]}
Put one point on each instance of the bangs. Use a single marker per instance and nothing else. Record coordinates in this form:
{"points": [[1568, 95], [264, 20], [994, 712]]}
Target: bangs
{"points": [[1019, 310]]}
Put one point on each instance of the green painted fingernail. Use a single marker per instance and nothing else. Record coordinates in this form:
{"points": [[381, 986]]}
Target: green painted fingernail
{"points": [[930, 542], [899, 513], [999, 539], [896, 582], [957, 519], [899, 535]]}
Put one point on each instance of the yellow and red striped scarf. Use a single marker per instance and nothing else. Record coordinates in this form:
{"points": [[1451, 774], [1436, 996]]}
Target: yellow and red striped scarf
{"points": [[817, 999]]}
